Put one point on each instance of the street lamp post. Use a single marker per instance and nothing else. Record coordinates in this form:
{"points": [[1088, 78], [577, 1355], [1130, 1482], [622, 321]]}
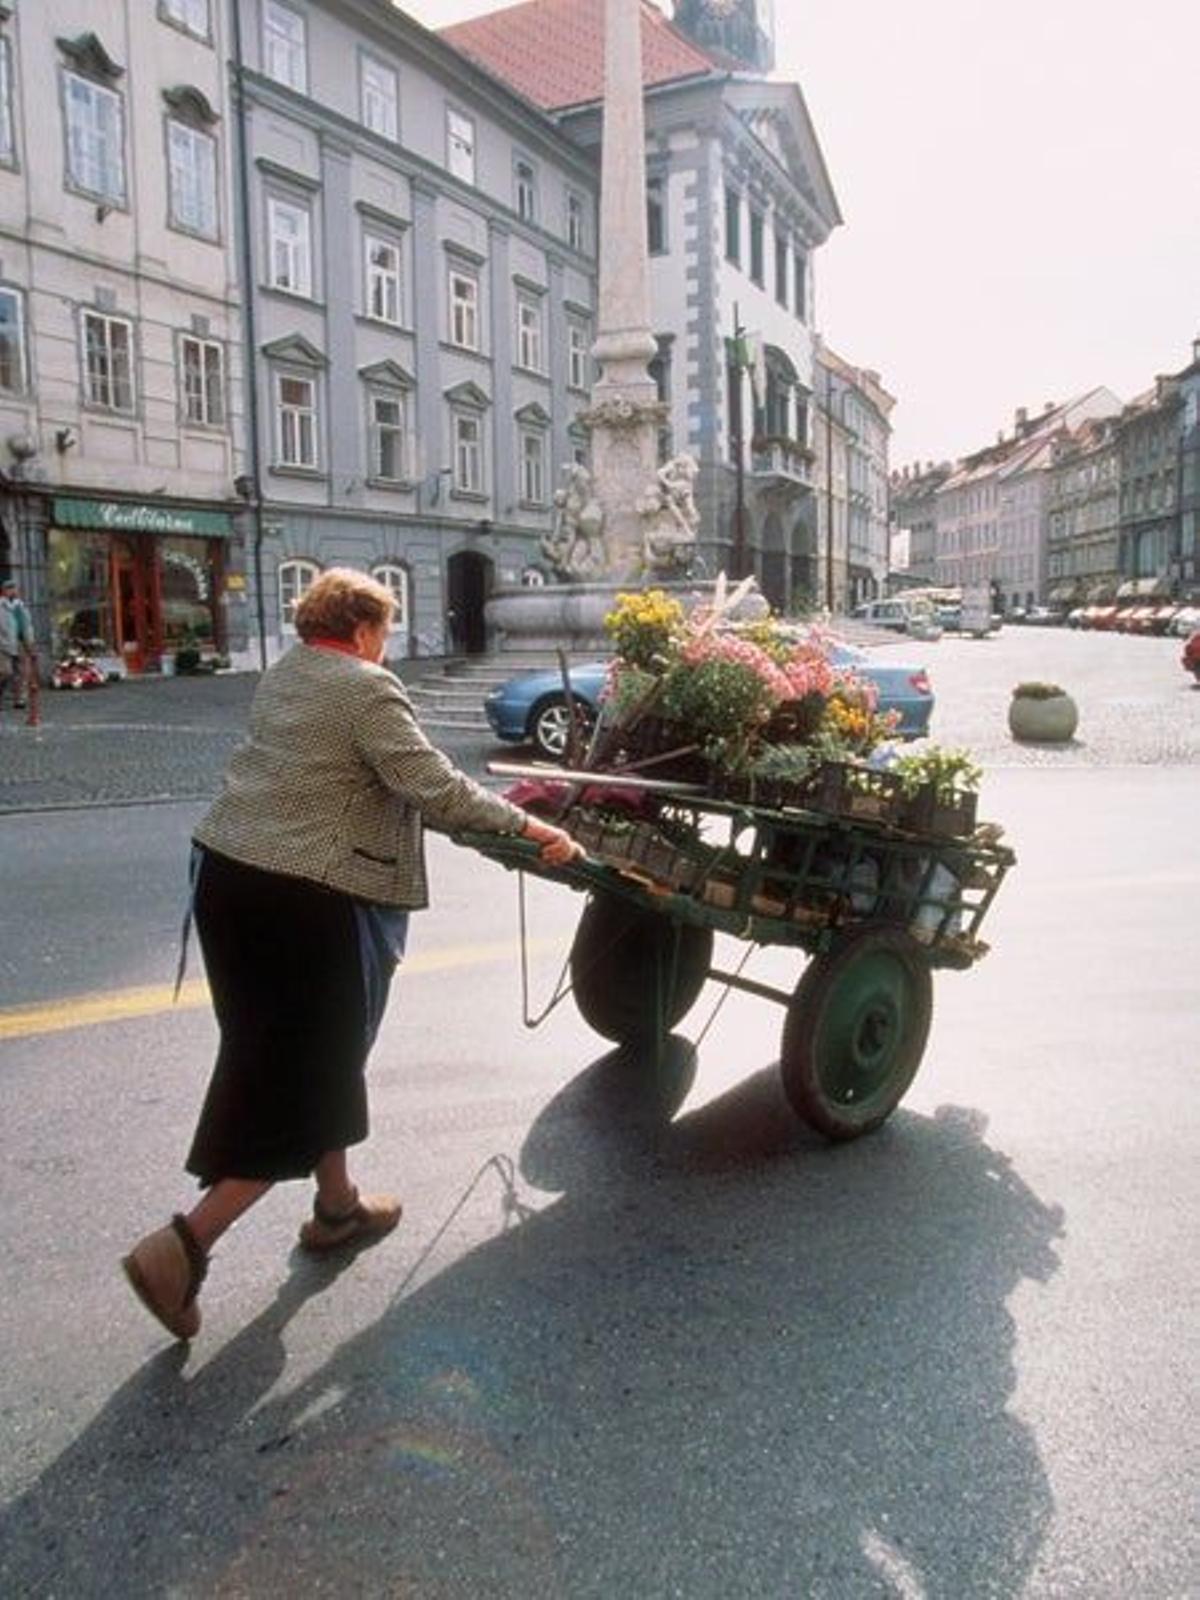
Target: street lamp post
{"points": [[829, 589], [739, 465]]}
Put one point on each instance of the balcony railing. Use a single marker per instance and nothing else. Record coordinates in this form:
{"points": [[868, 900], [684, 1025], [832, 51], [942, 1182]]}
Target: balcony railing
{"points": [[773, 456]]}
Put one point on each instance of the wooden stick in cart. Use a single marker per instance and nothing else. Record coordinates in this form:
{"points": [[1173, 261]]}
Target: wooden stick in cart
{"points": [[592, 780]]}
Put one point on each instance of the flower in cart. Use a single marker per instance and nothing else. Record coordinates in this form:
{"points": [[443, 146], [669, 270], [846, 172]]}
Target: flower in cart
{"points": [[851, 719], [644, 627]]}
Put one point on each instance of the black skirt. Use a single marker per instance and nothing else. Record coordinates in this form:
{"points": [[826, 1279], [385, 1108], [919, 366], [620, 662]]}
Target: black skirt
{"points": [[289, 982]]}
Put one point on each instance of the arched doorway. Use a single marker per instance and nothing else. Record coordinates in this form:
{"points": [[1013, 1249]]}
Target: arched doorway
{"points": [[468, 585], [774, 563]]}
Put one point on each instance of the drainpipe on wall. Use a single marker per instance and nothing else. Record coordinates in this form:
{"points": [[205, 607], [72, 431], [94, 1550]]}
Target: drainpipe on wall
{"points": [[248, 322]]}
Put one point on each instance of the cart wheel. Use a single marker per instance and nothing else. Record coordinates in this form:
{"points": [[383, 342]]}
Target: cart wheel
{"points": [[856, 1030], [636, 973]]}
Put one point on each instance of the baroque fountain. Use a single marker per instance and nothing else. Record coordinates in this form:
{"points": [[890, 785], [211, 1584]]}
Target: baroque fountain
{"points": [[628, 521]]}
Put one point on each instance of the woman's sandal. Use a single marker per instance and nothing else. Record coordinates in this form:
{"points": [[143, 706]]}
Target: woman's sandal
{"points": [[370, 1218], [165, 1271]]}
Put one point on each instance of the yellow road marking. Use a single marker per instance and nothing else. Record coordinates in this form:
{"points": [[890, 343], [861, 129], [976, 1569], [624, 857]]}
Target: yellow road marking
{"points": [[120, 1005]]}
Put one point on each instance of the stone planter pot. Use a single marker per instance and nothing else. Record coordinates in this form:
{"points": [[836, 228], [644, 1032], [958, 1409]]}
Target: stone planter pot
{"points": [[1048, 721]]}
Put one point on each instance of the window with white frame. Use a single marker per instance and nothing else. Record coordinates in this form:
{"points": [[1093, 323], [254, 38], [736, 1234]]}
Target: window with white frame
{"points": [[389, 456], [192, 179], [380, 98], [394, 579], [202, 374], [577, 355], [468, 452], [290, 235], [529, 333], [533, 466], [383, 279], [191, 15], [95, 138], [460, 145], [295, 579], [8, 147], [107, 361], [525, 183], [464, 308], [285, 46], [575, 220], [12, 341], [296, 420]]}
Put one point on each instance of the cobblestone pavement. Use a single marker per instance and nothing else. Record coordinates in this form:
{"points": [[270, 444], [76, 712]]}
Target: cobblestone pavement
{"points": [[169, 739]]}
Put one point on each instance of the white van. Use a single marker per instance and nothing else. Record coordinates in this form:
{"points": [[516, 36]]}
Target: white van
{"points": [[897, 613]]}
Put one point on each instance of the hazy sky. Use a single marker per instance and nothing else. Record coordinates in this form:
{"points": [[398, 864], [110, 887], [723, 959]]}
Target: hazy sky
{"points": [[1021, 192]]}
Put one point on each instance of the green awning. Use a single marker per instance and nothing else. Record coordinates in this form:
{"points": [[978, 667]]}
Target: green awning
{"points": [[127, 516]]}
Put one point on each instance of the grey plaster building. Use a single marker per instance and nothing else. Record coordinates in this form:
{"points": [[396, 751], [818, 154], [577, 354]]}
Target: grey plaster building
{"points": [[1149, 442], [1186, 573], [739, 200], [913, 515], [120, 328], [420, 243], [1082, 514]]}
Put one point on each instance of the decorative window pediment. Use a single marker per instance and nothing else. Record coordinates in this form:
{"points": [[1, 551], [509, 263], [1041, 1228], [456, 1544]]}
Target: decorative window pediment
{"points": [[387, 375], [190, 105], [297, 350], [534, 416], [468, 394], [89, 58]]}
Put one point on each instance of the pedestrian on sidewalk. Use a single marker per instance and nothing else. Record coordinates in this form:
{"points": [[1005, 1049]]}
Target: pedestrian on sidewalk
{"points": [[16, 643], [305, 870]]}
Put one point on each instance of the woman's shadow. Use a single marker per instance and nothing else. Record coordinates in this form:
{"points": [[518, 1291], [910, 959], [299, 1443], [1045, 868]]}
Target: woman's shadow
{"points": [[727, 1360]]}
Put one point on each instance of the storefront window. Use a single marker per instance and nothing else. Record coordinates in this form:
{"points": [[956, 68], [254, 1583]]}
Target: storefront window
{"points": [[187, 594], [80, 608], [133, 596]]}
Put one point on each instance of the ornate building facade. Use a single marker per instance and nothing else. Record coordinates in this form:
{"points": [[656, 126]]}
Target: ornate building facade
{"points": [[739, 201]]}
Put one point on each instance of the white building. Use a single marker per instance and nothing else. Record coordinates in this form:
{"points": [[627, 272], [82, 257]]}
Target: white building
{"points": [[120, 330]]}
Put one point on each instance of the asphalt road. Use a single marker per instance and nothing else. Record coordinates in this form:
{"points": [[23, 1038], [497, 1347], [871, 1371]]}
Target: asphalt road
{"points": [[640, 1334]]}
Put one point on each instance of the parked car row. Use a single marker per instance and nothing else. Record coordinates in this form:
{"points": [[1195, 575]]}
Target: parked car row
{"points": [[532, 706], [1150, 619]]}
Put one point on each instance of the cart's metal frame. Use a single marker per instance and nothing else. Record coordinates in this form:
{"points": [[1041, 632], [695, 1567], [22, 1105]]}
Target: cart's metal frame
{"points": [[877, 907]]}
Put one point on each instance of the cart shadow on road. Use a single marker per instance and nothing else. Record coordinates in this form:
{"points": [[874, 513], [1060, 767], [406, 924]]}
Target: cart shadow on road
{"points": [[727, 1360]]}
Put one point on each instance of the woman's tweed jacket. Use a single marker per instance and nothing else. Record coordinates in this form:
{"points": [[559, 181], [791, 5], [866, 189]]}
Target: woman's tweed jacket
{"points": [[335, 778]]}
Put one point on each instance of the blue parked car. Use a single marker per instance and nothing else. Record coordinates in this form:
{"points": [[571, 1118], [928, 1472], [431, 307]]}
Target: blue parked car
{"points": [[532, 708]]}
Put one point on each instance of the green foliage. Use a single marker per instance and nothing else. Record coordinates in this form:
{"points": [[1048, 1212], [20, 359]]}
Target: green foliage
{"points": [[1037, 691], [716, 700], [946, 772]]}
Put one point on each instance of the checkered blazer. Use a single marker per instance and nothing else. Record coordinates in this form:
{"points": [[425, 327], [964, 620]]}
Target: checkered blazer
{"points": [[335, 779]]}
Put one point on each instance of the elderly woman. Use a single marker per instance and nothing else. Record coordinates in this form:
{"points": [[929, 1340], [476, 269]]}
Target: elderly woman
{"points": [[305, 870]]}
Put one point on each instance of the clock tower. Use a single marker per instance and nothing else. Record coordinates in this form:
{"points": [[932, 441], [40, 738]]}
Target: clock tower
{"points": [[741, 30]]}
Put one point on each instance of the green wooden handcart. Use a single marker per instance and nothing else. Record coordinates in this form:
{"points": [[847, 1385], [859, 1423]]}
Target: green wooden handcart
{"points": [[875, 906]]}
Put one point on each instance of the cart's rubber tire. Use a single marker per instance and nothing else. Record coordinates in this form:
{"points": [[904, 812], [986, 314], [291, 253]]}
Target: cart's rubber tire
{"points": [[856, 1029], [636, 973]]}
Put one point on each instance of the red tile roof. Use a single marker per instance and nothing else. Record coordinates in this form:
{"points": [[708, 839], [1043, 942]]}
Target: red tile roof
{"points": [[552, 51]]}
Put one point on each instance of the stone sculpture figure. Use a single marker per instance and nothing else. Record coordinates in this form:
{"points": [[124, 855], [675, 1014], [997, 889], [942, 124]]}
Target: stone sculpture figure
{"points": [[575, 546], [670, 521]]}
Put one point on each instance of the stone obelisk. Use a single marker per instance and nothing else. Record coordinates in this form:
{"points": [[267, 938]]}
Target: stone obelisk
{"points": [[625, 415]]}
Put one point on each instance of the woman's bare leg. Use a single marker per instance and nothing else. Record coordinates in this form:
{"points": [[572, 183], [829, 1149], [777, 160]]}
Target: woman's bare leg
{"points": [[335, 1193], [220, 1207]]}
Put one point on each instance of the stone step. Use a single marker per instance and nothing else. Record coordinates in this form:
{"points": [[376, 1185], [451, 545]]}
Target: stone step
{"points": [[465, 722]]}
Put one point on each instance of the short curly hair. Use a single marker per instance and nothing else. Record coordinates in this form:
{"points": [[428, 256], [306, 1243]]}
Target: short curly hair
{"points": [[336, 602]]}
